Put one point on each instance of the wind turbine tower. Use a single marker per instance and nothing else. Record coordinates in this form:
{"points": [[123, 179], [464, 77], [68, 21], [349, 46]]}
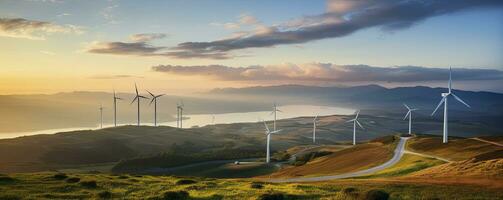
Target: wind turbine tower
{"points": [[355, 121], [115, 108], [137, 99], [274, 112], [314, 129], [445, 98], [409, 114], [154, 100], [268, 135], [179, 111], [101, 116]]}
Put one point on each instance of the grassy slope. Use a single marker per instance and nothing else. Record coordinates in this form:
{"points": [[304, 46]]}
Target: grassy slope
{"points": [[408, 164], [457, 149], [351, 159], [45, 186]]}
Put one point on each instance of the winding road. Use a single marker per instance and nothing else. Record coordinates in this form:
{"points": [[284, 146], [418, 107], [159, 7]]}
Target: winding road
{"points": [[399, 151]]}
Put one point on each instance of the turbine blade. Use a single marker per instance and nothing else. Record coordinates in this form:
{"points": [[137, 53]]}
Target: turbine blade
{"points": [[439, 104], [408, 108], [266, 128], [150, 93], [136, 97], [408, 113], [276, 131], [357, 113], [136, 88], [316, 117], [350, 120], [153, 99], [459, 99], [357, 122], [450, 79], [159, 95], [279, 110]]}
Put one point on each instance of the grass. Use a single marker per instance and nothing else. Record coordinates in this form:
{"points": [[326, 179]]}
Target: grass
{"points": [[408, 164], [44, 186], [359, 157]]}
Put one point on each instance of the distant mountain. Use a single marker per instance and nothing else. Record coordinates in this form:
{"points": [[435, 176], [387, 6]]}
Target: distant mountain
{"points": [[373, 97]]}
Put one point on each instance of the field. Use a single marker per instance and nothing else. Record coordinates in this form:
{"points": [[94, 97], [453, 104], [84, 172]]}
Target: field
{"points": [[103, 186]]}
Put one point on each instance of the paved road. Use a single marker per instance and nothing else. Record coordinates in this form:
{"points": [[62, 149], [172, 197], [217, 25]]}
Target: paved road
{"points": [[399, 151], [487, 141]]}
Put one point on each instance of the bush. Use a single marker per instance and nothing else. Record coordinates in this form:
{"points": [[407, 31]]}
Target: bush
{"points": [[105, 195], [376, 195], [9, 197], [185, 182], [60, 176], [6, 179], [256, 185], [123, 177], [349, 190], [73, 180], [89, 184], [173, 195], [273, 196]]}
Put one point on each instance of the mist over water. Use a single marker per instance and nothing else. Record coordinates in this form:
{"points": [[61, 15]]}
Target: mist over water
{"points": [[288, 111]]}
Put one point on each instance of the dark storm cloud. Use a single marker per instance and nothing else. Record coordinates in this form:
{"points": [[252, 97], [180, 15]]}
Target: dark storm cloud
{"points": [[326, 72]]}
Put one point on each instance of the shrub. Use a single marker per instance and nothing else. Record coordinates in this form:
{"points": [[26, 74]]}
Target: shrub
{"points": [[273, 196], [256, 185], [60, 176], [376, 195], [73, 180], [349, 190], [185, 182], [105, 195], [173, 195], [123, 177], [6, 179], [9, 197], [89, 184]]}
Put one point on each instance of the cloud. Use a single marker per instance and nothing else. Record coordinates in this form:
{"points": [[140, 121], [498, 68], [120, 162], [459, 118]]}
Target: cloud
{"points": [[327, 72], [139, 45], [343, 17], [32, 29], [244, 19], [145, 37], [120, 76]]}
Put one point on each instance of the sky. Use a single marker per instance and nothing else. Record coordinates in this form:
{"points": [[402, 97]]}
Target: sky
{"points": [[186, 46]]}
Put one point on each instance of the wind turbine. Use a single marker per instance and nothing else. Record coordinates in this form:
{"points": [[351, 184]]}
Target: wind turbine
{"points": [[179, 112], [268, 134], [445, 98], [137, 99], [154, 99], [274, 110], [355, 121], [314, 129], [115, 108], [101, 116], [409, 114]]}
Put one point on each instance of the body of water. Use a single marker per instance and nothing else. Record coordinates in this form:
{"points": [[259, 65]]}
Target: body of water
{"points": [[289, 111]]}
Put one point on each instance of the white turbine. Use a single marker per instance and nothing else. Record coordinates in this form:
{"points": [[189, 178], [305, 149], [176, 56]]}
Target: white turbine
{"points": [[409, 114], [101, 116], [445, 98], [154, 100], [314, 129], [137, 99], [115, 108], [355, 121], [274, 111], [268, 135], [179, 114]]}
